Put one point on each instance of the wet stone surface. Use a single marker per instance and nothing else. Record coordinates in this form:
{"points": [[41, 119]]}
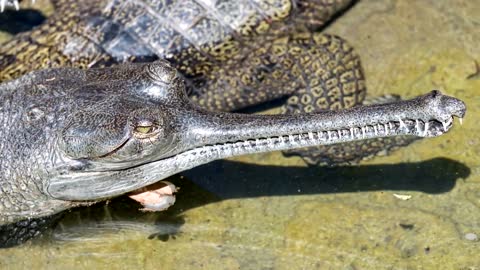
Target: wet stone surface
{"points": [[267, 211]]}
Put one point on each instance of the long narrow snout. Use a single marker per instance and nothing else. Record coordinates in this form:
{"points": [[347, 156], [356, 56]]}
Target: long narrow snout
{"points": [[425, 116]]}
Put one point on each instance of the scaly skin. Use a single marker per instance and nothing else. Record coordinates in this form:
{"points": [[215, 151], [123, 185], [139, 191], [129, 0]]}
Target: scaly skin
{"points": [[74, 137], [227, 62], [233, 54], [224, 60], [230, 62]]}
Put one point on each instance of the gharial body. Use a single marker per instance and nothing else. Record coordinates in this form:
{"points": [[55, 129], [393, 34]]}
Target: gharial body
{"points": [[73, 137]]}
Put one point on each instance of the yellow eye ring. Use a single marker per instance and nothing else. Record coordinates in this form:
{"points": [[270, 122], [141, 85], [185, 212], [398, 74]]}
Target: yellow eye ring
{"points": [[144, 129]]}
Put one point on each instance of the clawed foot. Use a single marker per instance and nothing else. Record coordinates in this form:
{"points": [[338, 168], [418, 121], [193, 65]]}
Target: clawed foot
{"points": [[11, 3]]}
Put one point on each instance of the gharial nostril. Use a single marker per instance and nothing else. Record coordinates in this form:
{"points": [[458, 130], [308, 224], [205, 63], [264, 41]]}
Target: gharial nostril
{"points": [[436, 93], [454, 106]]}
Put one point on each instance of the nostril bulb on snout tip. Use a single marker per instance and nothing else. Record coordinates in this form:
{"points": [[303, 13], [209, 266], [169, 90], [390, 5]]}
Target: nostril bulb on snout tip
{"points": [[453, 106], [458, 107], [436, 93]]}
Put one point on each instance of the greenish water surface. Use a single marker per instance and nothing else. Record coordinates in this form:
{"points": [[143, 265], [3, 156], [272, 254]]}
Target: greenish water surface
{"points": [[270, 212]]}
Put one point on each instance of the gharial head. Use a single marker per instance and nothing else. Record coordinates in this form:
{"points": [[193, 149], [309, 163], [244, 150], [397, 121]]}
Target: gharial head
{"points": [[128, 124], [125, 116], [122, 128]]}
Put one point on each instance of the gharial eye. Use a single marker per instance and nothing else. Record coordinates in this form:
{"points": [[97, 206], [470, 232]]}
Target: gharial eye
{"points": [[145, 128]]}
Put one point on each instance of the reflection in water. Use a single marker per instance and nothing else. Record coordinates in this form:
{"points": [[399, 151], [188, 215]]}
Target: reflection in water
{"points": [[107, 220], [223, 180]]}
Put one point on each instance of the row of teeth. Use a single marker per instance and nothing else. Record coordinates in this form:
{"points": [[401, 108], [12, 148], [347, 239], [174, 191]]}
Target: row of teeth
{"points": [[391, 128], [419, 123]]}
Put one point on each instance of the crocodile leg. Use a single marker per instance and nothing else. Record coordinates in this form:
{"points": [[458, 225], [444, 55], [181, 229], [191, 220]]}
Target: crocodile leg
{"points": [[6, 3], [316, 71], [13, 3], [286, 66]]}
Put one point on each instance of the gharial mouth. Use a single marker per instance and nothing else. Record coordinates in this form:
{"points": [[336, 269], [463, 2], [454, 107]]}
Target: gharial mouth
{"points": [[415, 127]]}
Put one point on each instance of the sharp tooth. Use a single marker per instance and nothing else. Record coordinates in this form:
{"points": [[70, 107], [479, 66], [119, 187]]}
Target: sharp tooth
{"points": [[2, 5], [460, 120], [352, 134], [363, 132], [445, 126], [425, 130], [402, 124], [15, 3], [310, 135], [329, 135], [375, 130], [386, 129]]}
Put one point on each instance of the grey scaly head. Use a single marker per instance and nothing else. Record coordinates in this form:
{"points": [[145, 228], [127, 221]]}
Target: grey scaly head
{"points": [[91, 135]]}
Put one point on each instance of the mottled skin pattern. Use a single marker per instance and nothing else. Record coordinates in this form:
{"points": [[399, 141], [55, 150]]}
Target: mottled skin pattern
{"points": [[233, 54]]}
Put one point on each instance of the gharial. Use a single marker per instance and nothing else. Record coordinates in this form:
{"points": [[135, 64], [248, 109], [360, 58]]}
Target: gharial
{"points": [[72, 137]]}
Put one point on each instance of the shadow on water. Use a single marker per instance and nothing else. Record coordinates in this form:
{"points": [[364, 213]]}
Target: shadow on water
{"points": [[223, 180], [229, 179], [15, 22]]}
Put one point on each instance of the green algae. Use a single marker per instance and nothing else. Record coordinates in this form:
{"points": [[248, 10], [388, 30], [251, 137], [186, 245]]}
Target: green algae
{"points": [[269, 212]]}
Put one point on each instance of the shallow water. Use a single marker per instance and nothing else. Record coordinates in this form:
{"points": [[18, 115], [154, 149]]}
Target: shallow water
{"points": [[270, 212]]}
